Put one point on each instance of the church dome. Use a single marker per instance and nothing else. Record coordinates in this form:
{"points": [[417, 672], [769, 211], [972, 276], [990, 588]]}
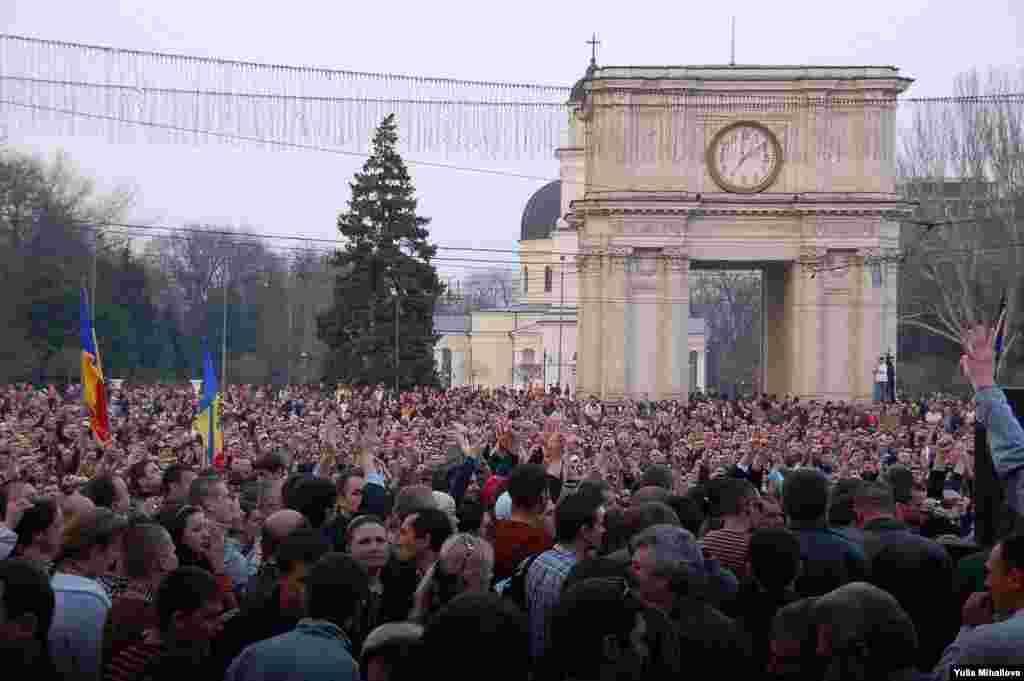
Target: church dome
{"points": [[541, 212], [579, 90]]}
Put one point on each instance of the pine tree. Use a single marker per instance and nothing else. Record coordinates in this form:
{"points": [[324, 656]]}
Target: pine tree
{"points": [[384, 270]]}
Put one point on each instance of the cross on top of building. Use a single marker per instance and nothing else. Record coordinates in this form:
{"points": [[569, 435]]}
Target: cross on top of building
{"points": [[593, 42]]}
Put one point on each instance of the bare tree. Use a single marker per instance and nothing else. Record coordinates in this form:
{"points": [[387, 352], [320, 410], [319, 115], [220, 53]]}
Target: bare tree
{"points": [[964, 163], [205, 258], [729, 301]]}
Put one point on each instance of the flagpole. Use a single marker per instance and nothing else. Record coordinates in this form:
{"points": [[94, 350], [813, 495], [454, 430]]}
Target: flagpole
{"points": [[1000, 330]]}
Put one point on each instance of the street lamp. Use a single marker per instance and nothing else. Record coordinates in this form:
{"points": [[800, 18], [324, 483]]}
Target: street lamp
{"points": [[561, 325]]}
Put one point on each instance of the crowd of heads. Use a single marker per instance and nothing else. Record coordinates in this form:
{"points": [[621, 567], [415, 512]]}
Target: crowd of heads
{"points": [[390, 518]]}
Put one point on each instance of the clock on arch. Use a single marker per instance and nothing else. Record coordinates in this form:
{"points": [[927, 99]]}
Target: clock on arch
{"points": [[744, 157]]}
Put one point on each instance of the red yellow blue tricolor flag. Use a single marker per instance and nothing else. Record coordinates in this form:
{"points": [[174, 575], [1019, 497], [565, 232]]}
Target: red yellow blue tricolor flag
{"points": [[207, 423], [94, 389]]}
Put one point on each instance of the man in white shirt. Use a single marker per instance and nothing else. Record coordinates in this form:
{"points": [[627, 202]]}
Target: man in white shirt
{"points": [[881, 380], [91, 548]]}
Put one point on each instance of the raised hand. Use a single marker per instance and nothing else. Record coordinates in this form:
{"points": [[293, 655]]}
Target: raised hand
{"points": [[978, 361]]}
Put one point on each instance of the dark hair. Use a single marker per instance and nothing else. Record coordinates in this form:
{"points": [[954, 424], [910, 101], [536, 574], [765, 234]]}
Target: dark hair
{"points": [[639, 518], [275, 461], [658, 475], [252, 495], [774, 558], [399, 650], [573, 514], [478, 621], [805, 495], [39, 518], [589, 611], [176, 526], [27, 591], [173, 475], [290, 487], [595, 488], [301, 546], [689, 513], [434, 523], [413, 499], [187, 589], [136, 472], [470, 515], [139, 548], [202, 488], [101, 491], [841, 512], [527, 485], [337, 585], [732, 493], [314, 498]]}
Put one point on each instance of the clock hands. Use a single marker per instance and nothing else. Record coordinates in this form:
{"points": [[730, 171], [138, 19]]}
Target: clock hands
{"points": [[747, 155]]}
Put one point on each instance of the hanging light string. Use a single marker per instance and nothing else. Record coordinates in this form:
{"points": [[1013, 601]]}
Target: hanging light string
{"points": [[236, 65]]}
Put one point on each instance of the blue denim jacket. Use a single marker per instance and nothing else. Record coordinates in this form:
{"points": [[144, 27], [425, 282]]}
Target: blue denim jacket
{"points": [[1006, 440], [316, 650]]}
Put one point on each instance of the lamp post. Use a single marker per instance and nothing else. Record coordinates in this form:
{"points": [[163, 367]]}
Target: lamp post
{"points": [[224, 337], [561, 312], [397, 358]]}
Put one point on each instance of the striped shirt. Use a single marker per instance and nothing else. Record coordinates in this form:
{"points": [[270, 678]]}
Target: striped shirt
{"points": [[730, 548], [129, 664]]}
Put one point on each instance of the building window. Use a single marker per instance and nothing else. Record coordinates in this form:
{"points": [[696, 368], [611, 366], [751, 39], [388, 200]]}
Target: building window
{"points": [[549, 279], [526, 280]]}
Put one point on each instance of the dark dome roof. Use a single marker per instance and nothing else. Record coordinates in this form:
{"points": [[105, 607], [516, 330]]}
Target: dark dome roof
{"points": [[541, 212], [579, 90]]}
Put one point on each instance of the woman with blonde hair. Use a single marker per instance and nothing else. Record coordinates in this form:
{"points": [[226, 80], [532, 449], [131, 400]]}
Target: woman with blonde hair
{"points": [[465, 565]]}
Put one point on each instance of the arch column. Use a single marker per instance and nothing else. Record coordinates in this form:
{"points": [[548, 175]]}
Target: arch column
{"points": [[613, 303], [673, 358], [590, 336]]}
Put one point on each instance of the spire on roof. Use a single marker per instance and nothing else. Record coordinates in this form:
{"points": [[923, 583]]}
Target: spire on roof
{"points": [[593, 42]]}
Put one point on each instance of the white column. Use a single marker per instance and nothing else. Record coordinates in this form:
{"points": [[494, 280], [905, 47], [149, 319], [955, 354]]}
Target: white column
{"points": [[702, 379]]}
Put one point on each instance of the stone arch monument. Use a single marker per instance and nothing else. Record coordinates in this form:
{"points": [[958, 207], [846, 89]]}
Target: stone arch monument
{"points": [[786, 169]]}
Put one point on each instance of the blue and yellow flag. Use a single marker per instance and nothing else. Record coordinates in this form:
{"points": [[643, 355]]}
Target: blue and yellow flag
{"points": [[207, 423], [94, 390]]}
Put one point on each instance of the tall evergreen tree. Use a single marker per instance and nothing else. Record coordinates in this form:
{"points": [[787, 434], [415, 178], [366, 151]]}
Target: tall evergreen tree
{"points": [[384, 271]]}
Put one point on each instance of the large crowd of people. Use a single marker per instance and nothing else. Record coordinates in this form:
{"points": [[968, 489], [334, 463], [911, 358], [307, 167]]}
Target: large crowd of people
{"points": [[353, 533]]}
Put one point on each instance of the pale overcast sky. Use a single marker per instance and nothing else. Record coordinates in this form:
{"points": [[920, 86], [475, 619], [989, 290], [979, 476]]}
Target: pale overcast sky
{"points": [[301, 192]]}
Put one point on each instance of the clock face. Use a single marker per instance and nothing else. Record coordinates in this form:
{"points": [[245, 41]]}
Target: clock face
{"points": [[744, 158]]}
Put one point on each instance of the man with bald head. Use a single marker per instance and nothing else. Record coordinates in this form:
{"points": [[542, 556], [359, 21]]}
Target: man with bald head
{"points": [[276, 528]]}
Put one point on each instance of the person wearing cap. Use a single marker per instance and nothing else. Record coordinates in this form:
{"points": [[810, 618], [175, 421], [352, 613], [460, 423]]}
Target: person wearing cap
{"points": [[91, 548]]}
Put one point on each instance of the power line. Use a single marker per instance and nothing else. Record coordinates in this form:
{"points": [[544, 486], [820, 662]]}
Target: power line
{"points": [[293, 237], [322, 71]]}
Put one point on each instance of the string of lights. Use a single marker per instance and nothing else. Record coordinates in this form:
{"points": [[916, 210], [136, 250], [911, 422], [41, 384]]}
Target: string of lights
{"points": [[277, 68], [668, 100]]}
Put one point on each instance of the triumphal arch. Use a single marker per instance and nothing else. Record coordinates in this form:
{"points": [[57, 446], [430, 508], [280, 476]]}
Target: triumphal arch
{"points": [[787, 169]]}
